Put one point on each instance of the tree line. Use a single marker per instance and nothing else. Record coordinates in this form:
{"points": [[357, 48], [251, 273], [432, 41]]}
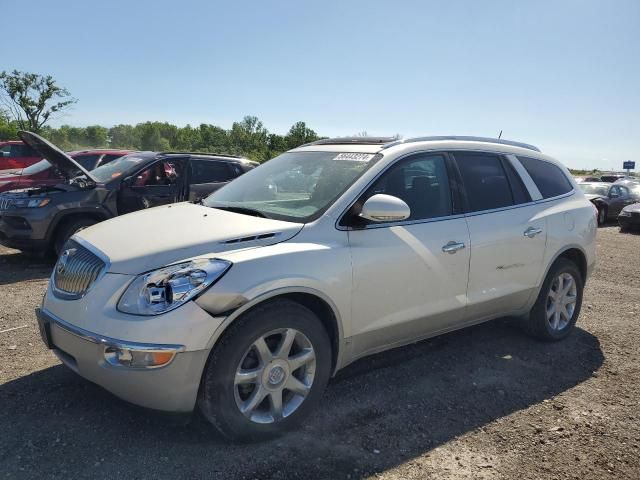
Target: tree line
{"points": [[247, 137], [28, 101]]}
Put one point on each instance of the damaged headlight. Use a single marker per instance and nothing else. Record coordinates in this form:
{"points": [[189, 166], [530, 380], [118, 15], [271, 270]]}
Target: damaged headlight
{"points": [[167, 288], [30, 202]]}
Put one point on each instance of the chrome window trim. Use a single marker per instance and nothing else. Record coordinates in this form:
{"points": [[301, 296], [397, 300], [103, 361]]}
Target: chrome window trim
{"points": [[108, 341], [517, 166], [98, 253]]}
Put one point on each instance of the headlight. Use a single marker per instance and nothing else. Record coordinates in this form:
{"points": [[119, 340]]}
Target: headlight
{"points": [[165, 289], [30, 202], [625, 213]]}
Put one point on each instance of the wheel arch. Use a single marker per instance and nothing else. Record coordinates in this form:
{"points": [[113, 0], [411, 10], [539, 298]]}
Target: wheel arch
{"points": [[576, 254], [65, 216], [316, 301]]}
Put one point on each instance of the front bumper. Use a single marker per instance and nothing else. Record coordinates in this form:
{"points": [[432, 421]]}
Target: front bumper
{"points": [[171, 388], [627, 221], [25, 229]]}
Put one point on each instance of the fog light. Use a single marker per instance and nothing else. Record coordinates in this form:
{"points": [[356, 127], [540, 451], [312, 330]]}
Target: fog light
{"points": [[124, 357]]}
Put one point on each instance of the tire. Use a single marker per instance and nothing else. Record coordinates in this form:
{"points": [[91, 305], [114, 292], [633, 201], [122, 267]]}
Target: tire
{"points": [[538, 324], [67, 230], [220, 398], [602, 216]]}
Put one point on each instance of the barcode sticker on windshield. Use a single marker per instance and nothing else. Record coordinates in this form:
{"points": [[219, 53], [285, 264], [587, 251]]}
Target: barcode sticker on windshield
{"points": [[354, 157]]}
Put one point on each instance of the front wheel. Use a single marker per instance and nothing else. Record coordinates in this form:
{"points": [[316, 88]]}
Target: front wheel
{"points": [[267, 373], [602, 216], [556, 310]]}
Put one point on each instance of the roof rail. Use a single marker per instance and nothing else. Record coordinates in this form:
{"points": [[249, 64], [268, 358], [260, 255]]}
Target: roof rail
{"points": [[465, 139], [353, 141], [206, 154]]}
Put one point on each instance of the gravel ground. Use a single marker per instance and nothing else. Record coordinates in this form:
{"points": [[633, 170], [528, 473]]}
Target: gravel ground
{"points": [[486, 402]]}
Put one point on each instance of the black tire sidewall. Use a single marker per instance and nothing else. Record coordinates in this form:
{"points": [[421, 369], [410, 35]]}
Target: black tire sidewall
{"points": [[216, 399], [602, 221], [538, 318], [69, 230]]}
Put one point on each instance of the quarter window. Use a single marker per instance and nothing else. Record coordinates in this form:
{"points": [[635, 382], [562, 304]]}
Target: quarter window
{"points": [[485, 181], [422, 182], [203, 171], [550, 180]]}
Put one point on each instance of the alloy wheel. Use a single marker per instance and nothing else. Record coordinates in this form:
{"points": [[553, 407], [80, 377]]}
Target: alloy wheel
{"points": [[561, 301], [275, 375]]}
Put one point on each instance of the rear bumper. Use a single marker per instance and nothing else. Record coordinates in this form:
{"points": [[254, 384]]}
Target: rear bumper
{"points": [[170, 388]]}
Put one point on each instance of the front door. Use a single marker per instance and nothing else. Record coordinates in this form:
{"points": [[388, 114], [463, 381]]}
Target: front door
{"points": [[507, 233], [158, 184], [619, 197], [410, 277]]}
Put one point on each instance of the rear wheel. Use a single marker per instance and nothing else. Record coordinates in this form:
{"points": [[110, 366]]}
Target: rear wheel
{"points": [[69, 229], [267, 373], [556, 310]]}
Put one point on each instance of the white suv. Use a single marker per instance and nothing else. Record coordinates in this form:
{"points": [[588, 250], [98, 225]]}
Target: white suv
{"points": [[248, 302]]}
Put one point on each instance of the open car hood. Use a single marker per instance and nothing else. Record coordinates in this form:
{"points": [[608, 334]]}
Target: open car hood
{"points": [[66, 165]]}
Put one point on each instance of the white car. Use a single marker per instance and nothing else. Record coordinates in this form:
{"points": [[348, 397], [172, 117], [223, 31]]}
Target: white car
{"points": [[247, 303]]}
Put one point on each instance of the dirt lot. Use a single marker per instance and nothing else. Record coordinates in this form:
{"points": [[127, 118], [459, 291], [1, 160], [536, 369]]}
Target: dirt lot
{"points": [[487, 402]]}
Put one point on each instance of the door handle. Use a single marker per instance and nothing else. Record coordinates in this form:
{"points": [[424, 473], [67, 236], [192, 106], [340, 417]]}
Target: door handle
{"points": [[532, 232], [452, 247]]}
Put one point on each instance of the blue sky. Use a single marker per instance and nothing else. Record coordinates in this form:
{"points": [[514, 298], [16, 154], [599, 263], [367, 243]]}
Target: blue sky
{"points": [[564, 75]]}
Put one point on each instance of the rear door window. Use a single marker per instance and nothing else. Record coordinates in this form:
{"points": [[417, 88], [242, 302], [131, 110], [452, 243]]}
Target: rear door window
{"points": [[550, 180], [485, 181], [205, 171]]}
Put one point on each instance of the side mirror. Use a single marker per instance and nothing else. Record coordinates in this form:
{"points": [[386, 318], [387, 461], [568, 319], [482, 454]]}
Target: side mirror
{"points": [[385, 208]]}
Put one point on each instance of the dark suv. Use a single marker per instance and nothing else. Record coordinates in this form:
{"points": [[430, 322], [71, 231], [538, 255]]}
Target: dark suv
{"points": [[44, 218]]}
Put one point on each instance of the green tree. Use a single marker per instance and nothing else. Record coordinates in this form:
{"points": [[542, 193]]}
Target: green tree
{"points": [[32, 99], [124, 136], [300, 134], [8, 128]]}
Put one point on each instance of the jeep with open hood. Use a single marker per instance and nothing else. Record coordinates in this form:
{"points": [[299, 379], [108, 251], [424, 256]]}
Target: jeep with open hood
{"points": [[43, 218]]}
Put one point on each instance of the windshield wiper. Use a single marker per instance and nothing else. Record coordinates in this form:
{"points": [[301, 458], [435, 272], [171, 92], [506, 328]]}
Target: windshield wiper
{"points": [[243, 210]]}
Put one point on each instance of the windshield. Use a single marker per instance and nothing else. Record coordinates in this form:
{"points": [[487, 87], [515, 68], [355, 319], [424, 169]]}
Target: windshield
{"points": [[295, 186], [115, 169], [594, 189], [38, 167]]}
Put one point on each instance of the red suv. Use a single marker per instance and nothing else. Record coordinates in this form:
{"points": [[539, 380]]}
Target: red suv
{"points": [[15, 154], [41, 173]]}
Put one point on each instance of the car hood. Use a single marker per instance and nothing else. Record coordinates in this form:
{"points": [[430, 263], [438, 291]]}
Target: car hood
{"points": [[149, 239], [66, 165]]}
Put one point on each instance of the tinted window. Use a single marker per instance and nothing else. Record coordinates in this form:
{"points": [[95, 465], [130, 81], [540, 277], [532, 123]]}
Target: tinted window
{"points": [[88, 162], [485, 181], [519, 191], [203, 171], [422, 182], [550, 180]]}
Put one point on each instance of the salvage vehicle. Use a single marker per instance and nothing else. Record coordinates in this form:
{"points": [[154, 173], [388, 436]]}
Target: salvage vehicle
{"points": [[43, 173], [608, 198], [249, 301], [43, 218], [14, 154]]}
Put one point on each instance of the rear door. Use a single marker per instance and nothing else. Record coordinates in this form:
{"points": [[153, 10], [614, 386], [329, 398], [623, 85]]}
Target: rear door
{"points": [[160, 183], [207, 176], [507, 235]]}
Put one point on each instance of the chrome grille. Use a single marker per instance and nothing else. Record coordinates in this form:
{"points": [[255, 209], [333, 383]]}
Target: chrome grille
{"points": [[5, 203], [75, 271]]}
